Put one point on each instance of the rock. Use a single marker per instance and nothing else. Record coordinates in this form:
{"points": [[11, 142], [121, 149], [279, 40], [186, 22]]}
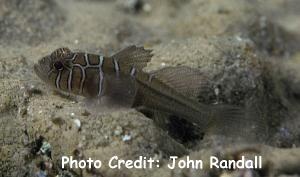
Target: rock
{"points": [[230, 64]]}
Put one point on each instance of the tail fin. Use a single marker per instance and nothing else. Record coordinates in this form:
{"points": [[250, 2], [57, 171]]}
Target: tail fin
{"points": [[132, 59], [237, 122], [226, 116]]}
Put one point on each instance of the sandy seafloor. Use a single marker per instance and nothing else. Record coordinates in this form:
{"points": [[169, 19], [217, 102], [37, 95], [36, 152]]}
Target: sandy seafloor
{"points": [[248, 50]]}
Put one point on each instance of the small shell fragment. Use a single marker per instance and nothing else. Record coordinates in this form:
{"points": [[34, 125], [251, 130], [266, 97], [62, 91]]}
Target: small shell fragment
{"points": [[126, 138], [46, 147]]}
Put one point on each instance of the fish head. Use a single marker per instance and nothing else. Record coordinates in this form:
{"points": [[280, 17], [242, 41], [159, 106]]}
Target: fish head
{"points": [[51, 65]]}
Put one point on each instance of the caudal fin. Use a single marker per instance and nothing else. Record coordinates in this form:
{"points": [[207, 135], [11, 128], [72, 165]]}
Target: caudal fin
{"points": [[237, 122], [132, 59]]}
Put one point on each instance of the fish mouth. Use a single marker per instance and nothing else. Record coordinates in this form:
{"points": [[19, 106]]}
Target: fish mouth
{"points": [[37, 69], [42, 69]]}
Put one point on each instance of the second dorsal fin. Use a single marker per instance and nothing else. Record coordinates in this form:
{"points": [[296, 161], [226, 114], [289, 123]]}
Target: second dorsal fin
{"points": [[132, 59], [185, 80]]}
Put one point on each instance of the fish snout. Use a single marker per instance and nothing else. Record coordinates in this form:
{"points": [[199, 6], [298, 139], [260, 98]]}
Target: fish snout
{"points": [[41, 69]]}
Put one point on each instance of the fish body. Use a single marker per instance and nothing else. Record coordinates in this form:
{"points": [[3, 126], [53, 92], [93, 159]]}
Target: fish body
{"points": [[121, 79]]}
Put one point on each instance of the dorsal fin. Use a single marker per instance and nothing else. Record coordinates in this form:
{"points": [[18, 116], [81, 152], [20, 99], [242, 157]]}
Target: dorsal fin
{"points": [[185, 80], [132, 59]]}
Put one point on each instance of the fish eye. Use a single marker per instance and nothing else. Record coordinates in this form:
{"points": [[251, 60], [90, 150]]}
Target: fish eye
{"points": [[58, 65]]}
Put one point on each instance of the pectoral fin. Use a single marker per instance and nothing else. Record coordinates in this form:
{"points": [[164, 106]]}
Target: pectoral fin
{"points": [[120, 90]]}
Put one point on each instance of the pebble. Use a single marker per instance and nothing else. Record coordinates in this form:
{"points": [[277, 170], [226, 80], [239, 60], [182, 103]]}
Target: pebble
{"points": [[77, 123], [217, 91], [118, 131], [147, 8], [72, 114]]}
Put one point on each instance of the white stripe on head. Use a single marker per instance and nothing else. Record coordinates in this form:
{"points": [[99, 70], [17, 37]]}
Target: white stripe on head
{"points": [[101, 75], [57, 81], [86, 57], [116, 64], [73, 58], [150, 77], [101, 59], [70, 80], [132, 71]]}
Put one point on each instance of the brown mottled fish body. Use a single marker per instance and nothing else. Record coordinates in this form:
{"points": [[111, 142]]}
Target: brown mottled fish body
{"points": [[75, 79], [120, 77], [80, 73]]}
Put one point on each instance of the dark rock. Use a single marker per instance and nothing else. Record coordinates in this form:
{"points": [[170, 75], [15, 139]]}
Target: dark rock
{"points": [[271, 38]]}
